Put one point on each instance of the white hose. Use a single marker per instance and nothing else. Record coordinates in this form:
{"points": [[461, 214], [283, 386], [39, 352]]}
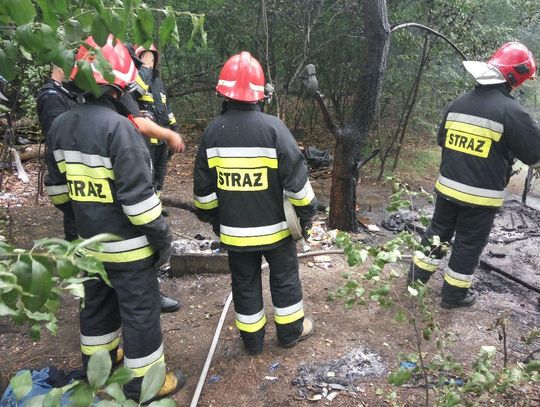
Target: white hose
{"points": [[208, 361]]}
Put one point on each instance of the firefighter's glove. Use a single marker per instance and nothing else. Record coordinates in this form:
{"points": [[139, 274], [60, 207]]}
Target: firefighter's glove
{"points": [[306, 228], [163, 256]]}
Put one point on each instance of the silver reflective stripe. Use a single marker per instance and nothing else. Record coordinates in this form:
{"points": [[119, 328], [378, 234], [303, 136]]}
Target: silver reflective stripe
{"points": [[145, 361], [57, 189], [250, 319], [206, 198], [256, 231], [99, 340], [290, 309], [141, 207], [459, 276], [305, 192], [58, 155], [477, 121], [91, 160], [228, 84], [458, 186], [256, 88], [171, 116], [125, 245], [243, 152]]}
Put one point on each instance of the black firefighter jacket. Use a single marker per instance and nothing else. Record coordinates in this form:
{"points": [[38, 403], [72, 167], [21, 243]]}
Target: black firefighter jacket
{"points": [[101, 168], [53, 100], [245, 163], [481, 133]]}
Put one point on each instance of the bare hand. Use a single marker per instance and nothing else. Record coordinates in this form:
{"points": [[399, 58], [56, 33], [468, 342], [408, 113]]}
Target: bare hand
{"points": [[175, 142]]}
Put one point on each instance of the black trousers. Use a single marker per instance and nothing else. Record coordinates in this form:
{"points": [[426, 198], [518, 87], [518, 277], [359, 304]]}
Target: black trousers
{"points": [[471, 226], [285, 288], [132, 305], [160, 157]]}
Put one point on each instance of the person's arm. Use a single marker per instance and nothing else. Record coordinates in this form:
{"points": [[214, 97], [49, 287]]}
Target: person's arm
{"points": [[151, 129], [204, 189], [522, 135]]}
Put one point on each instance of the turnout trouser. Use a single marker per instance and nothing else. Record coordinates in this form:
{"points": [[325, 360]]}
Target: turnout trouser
{"points": [[132, 306], [472, 226], [159, 156], [285, 288]]}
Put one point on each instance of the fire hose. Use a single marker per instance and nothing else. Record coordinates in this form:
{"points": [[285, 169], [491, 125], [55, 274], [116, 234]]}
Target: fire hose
{"points": [[211, 351]]}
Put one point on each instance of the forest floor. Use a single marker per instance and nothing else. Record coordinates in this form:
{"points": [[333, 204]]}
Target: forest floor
{"points": [[368, 334]]}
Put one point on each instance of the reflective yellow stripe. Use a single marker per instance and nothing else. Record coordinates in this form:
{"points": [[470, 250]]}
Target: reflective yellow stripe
{"points": [[301, 202], [287, 319], [61, 166], [141, 371], [59, 199], [123, 257], [141, 83], [251, 327], [146, 217], [207, 205], [242, 162], [254, 240], [425, 266], [91, 349], [472, 129], [457, 283], [93, 172], [154, 140], [147, 98], [468, 198]]}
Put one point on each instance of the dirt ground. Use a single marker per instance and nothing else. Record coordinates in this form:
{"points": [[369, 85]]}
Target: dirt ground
{"points": [[236, 379]]}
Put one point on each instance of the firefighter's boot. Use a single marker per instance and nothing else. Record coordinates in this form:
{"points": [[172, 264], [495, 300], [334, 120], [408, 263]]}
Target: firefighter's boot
{"points": [[168, 304], [308, 328], [466, 301]]}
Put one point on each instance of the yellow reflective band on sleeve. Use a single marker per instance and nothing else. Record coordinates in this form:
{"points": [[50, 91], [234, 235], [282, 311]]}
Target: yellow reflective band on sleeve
{"points": [[146, 217], [207, 205], [141, 83], [61, 166], [154, 140], [468, 198], [424, 265], [141, 371], [91, 349], [457, 283], [172, 119], [288, 319], [242, 162], [242, 241], [147, 97], [251, 327], [473, 130], [301, 202], [123, 257], [94, 172], [59, 199]]}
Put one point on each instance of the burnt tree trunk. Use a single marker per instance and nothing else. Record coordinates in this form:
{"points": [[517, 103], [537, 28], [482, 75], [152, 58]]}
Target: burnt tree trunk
{"points": [[355, 131]]}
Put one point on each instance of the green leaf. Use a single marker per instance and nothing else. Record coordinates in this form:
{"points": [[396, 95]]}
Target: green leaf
{"points": [[144, 26], [21, 384], [118, 25], [168, 26], [533, 366], [94, 240], [100, 30], [7, 66], [66, 269], [48, 9], [21, 11], [35, 401], [163, 403], [99, 367], [22, 269], [400, 316], [77, 290], [115, 391], [121, 376], [52, 398], [108, 403], [40, 287], [73, 30], [82, 395], [400, 377], [152, 382], [93, 267], [84, 78], [86, 20]]}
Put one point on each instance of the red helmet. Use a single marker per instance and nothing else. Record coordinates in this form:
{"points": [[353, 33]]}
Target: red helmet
{"points": [[139, 49], [241, 79], [515, 61], [117, 55]]}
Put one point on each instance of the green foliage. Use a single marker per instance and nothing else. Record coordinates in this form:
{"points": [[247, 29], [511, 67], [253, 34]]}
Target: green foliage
{"points": [[31, 281]]}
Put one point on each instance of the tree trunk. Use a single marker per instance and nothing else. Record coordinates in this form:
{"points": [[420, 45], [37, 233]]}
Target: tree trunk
{"points": [[349, 145]]}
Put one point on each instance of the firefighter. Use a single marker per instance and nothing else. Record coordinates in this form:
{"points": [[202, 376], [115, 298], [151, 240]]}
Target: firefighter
{"points": [[480, 134], [153, 100], [54, 99], [245, 163], [103, 172]]}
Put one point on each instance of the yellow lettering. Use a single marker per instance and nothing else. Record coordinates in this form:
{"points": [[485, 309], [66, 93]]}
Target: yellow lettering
{"points": [[86, 189], [468, 143], [242, 179]]}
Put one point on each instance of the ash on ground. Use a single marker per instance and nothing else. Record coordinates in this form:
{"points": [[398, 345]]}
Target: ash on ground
{"points": [[341, 373], [195, 245]]}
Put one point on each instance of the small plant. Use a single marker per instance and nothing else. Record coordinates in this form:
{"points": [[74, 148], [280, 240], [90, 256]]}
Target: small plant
{"points": [[101, 383]]}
